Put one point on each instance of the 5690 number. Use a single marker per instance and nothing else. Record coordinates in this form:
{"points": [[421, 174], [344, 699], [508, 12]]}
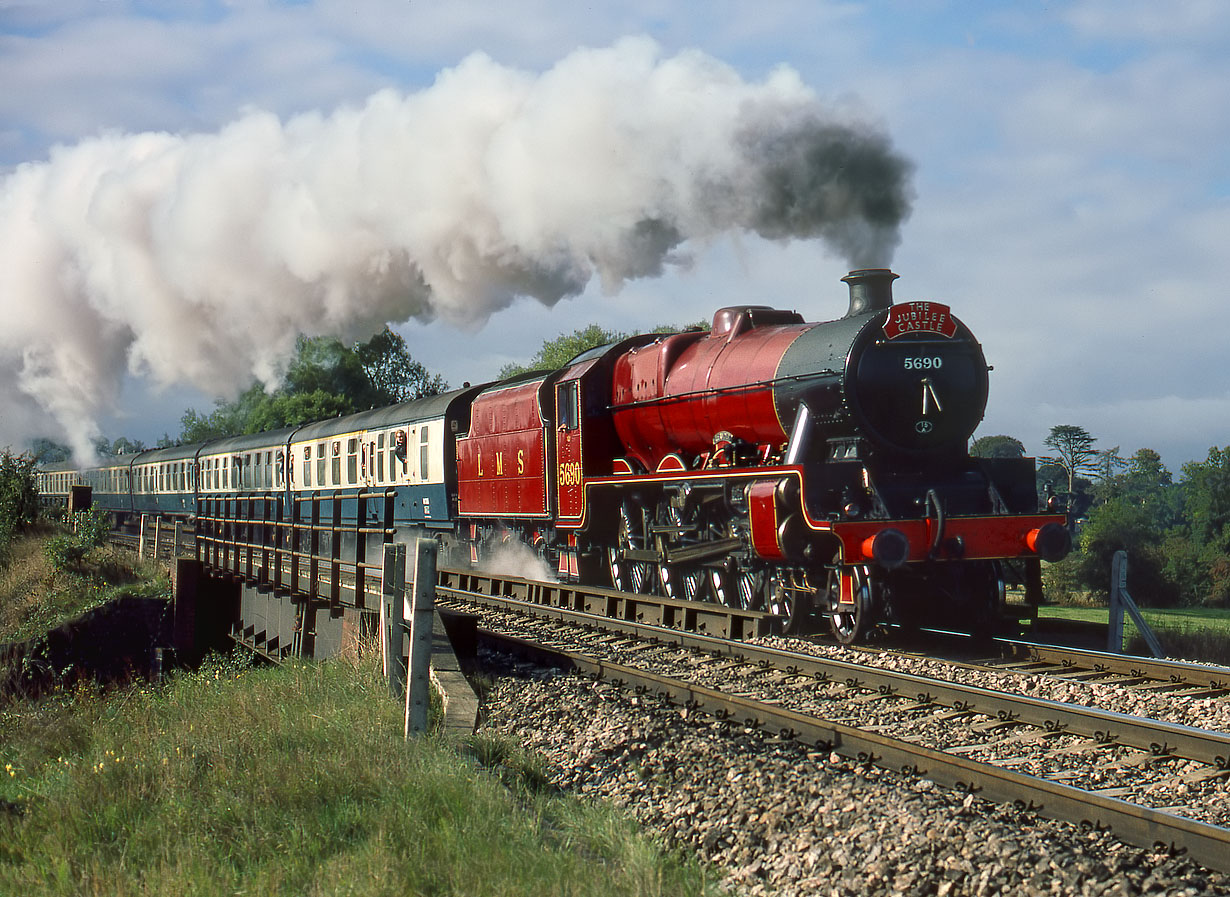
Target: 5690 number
{"points": [[924, 363]]}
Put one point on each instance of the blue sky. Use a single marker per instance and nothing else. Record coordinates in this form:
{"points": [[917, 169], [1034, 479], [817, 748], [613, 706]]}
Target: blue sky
{"points": [[1070, 173]]}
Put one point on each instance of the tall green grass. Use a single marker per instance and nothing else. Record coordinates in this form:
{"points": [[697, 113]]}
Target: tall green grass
{"points": [[295, 781]]}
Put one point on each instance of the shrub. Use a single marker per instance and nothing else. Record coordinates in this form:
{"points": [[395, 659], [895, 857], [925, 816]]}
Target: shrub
{"points": [[90, 529], [18, 497], [1061, 582]]}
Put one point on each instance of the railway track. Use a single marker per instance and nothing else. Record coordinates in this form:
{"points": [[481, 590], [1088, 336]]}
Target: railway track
{"points": [[1082, 764], [1174, 677]]}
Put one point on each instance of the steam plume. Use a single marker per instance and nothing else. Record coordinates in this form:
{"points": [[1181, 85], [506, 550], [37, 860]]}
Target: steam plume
{"points": [[198, 258]]}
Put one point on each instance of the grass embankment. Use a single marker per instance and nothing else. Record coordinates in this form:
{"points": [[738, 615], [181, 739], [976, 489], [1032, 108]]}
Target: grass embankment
{"points": [[293, 780], [35, 597], [1194, 633]]}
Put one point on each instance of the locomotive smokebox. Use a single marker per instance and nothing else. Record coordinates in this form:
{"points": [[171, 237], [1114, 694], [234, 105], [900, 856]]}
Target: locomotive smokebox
{"points": [[871, 289]]}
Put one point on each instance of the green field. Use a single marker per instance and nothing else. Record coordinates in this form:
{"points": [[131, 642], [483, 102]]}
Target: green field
{"points": [[1194, 633], [1188, 618]]}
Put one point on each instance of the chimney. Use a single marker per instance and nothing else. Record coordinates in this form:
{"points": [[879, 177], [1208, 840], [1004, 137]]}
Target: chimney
{"points": [[871, 289]]}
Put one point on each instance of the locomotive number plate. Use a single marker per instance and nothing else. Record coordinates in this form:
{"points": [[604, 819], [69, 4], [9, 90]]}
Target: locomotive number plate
{"points": [[924, 363]]}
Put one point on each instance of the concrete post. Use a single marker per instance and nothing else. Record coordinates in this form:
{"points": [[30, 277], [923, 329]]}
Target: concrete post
{"points": [[419, 614], [1118, 585], [392, 600]]}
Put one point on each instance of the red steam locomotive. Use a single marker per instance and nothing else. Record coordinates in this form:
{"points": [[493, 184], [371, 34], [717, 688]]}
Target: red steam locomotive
{"points": [[771, 463]]}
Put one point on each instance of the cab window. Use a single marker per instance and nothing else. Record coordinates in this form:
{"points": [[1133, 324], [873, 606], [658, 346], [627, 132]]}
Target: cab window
{"points": [[568, 406]]}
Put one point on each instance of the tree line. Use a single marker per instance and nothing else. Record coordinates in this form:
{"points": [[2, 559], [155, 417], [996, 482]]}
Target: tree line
{"points": [[324, 379], [1176, 532]]}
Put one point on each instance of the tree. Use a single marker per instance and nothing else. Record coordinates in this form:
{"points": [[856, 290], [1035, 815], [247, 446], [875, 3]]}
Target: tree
{"points": [[18, 497], [1206, 492], [1122, 525], [395, 376], [121, 446], [1109, 463], [1074, 452], [557, 352], [1147, 483], [44, 451], [325, 379], [997, 447]]}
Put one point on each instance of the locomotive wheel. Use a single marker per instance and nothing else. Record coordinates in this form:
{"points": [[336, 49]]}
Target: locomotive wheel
{"points": [[739, 587], [626, 575], [782, 599], [850, 623], [684, 583]]}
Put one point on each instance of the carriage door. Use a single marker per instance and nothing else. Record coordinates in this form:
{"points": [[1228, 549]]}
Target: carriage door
{"points": [[568, 449]]}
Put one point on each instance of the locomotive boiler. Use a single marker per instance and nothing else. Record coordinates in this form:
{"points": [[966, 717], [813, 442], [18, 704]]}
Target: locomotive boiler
{"points": [[771, 462]]}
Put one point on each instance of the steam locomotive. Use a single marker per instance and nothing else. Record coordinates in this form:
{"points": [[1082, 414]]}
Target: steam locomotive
{"points": [[765, 463]]}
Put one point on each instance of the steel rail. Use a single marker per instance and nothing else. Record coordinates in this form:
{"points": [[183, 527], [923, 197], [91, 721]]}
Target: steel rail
{"points": [[671, 613], [1132, 823], [1215, 679], [1160, 739]]}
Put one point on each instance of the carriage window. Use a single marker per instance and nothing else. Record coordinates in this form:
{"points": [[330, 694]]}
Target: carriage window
{"points": [[320, 464], [336, 467], [380, 457], [352, 461], [279, 469], [423, 454]]}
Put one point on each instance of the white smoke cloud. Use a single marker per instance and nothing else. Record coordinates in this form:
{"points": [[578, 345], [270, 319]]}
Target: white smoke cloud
{"points": [[198, 259]]}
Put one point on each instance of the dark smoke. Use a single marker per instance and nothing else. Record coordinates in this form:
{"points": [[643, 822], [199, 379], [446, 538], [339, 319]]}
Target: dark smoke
{"points": [[823, 180]]}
